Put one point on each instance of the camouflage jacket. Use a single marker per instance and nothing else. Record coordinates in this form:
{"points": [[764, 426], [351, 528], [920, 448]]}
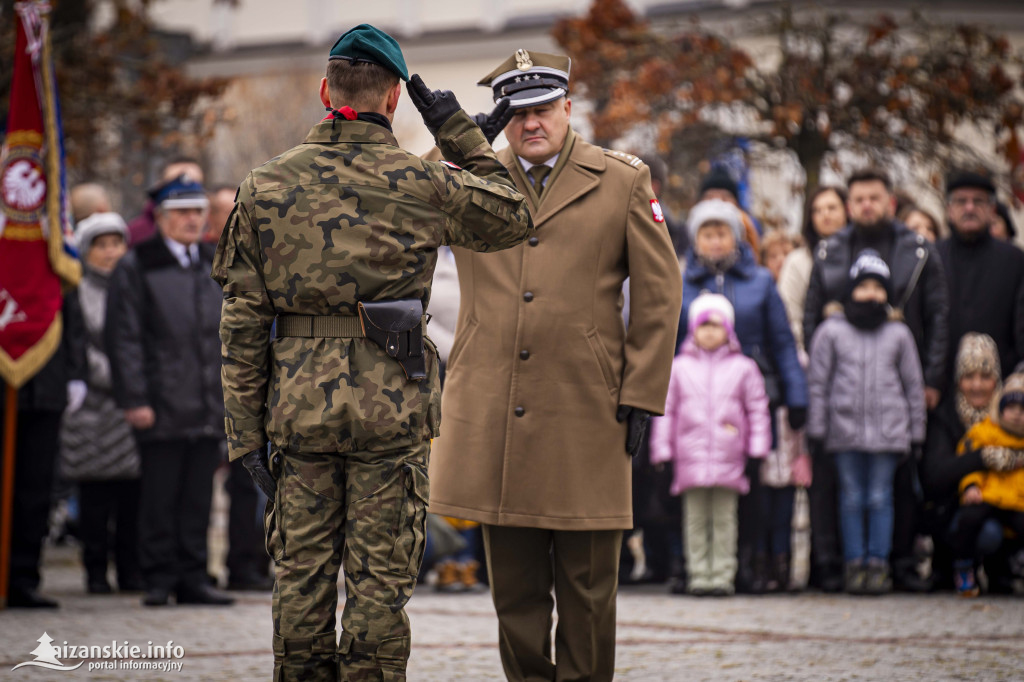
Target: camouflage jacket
{"points": [[347, 216]]}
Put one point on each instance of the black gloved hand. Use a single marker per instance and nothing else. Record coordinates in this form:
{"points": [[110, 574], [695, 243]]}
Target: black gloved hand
{"points": [[816, 447], [797, 417], [636, 428], [256, 464], [493, 123], [436, 106]]}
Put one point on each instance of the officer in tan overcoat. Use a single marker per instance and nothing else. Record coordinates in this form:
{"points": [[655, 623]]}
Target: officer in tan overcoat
{"points": [[548, 393]]}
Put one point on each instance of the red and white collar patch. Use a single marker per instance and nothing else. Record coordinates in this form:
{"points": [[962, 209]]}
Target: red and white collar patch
{"points": [[451, 165], [659, 215]]}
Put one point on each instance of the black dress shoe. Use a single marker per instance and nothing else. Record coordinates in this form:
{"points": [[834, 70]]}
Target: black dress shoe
{"points": [[203, 594], [30, 599], [156, 596], [98, 586]]}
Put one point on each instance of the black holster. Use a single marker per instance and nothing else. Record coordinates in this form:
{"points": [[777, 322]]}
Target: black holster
{"points": [[397, 327]]}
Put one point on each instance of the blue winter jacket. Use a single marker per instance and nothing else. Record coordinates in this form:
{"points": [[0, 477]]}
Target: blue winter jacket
{"points": [[761, 322]]}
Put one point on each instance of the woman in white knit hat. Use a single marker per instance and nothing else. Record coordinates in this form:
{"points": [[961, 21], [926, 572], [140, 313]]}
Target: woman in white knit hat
{"points": [[97, 447]]}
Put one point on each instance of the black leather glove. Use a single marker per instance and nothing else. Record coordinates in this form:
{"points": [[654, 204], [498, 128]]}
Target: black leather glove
{"points": [[816, 447], [493, 123], [797, 417], [256, 464], [636, 428], [435, 106]]}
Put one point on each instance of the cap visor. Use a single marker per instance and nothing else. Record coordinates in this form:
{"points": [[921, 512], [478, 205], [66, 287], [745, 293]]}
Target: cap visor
{"points": [[534, 96], [186, 202]]}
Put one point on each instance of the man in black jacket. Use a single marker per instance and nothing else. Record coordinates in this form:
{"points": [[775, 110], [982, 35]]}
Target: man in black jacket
{"points": [[985, 275], [919, 288], [163, 317], [918, 277]]}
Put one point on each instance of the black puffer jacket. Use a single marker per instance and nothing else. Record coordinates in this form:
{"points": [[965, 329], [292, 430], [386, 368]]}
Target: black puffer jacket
{"points": [[162, 338], [918, 285]]}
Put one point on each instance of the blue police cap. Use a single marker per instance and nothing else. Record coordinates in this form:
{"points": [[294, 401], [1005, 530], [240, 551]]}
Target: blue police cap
{"points": [[180, 192]]}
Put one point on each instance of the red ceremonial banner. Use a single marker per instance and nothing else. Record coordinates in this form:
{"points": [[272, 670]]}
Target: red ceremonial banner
{"points": [[32, 258]]}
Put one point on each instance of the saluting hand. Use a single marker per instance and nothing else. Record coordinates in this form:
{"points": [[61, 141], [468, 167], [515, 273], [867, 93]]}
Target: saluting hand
{"points": [[493, 123], [435, 106]]}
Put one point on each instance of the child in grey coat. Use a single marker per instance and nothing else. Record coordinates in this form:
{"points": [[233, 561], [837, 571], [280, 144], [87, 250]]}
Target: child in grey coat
{"points": [[867, 409]]}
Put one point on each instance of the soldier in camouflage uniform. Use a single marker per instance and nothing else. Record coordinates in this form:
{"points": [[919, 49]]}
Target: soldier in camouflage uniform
{"points": [[346, 219]]}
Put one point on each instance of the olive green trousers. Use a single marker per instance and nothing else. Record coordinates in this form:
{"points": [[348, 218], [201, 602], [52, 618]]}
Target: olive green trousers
{"points": [[524, 565]]}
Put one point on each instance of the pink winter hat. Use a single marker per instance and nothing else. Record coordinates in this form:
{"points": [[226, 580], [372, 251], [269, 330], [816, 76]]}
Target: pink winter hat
{"points": [[706, 306]]}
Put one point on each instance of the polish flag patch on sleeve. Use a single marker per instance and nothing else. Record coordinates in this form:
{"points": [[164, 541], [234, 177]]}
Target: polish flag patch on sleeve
{"points": [[451, 165], [659, 215]]}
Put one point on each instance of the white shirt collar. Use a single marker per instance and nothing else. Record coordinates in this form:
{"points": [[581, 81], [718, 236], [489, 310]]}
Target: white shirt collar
{"points": [[186, 255]]}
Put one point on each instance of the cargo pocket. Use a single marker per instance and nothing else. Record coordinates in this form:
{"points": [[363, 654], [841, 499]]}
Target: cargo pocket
{"points": [[497, 205], [393, 657], [411, 525]]}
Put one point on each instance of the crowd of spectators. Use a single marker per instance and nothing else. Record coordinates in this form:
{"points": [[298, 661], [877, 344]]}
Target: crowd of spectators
{"points": [[867, 359]]}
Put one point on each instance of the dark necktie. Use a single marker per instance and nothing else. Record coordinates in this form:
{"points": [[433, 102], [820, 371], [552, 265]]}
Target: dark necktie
{"points": [[537, 175]]}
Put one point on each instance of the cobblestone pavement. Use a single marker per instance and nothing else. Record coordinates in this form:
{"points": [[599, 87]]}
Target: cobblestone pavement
{"points": [[660, 637]]}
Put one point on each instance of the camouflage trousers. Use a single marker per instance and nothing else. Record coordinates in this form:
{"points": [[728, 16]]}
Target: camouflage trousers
{"points": [[365, 513]]}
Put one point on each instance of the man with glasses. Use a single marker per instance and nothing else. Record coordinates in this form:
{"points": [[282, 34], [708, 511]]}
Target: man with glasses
{"points": [[985, 275]]}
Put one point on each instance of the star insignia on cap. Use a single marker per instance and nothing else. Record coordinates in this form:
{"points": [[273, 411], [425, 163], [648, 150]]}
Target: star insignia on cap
{"points": [[536, 77], [519, 79]]}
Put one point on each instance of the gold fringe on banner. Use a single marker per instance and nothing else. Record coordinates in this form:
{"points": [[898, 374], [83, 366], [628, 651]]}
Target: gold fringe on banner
{"points": [[18, 372], [67, 268]]}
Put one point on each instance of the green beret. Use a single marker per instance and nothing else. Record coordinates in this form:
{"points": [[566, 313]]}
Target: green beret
{"points": [[364, 43]]}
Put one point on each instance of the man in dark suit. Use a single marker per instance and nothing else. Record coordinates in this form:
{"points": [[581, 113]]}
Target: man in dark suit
{"points": [[163, 317]]}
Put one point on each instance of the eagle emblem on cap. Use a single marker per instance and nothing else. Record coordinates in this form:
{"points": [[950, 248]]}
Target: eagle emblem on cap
{"points": [[523, 61]]}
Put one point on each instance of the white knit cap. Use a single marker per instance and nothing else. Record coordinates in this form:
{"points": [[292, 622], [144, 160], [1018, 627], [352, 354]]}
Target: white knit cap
{"points": [[706, 305], [95, 225], [718, 210]]}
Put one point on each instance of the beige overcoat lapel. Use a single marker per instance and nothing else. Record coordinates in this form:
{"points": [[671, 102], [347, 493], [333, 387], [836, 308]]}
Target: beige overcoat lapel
{"points": [[572, 181]]}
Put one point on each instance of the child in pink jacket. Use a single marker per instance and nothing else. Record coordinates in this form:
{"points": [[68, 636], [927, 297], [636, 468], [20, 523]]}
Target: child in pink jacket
{"points": [[716, 416]]}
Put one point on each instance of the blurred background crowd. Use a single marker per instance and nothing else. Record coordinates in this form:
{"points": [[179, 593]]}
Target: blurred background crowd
{"points": [[826, 130]]}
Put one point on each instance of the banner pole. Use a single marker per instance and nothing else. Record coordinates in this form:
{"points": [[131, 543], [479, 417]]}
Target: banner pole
{"points": [[7, 499]]}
